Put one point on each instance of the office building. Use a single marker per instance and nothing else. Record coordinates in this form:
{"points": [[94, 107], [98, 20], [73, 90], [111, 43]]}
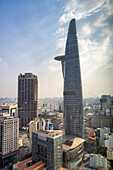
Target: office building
{"points": [[73, 104], [27, 98], [47, 147], [106, 102], [9, 133], [100, 121]]}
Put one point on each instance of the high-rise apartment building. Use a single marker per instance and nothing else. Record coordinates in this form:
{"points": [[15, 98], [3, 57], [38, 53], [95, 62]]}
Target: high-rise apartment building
{"points": [[9, 133], [73, 104], [47, 147], [27, 98]]}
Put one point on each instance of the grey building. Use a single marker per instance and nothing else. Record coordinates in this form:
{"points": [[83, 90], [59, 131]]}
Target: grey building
{"points": [[27, 98], [73, 104], [47, 146]]}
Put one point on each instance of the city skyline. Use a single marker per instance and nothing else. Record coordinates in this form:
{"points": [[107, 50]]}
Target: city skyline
{"points": [[33, 33]]}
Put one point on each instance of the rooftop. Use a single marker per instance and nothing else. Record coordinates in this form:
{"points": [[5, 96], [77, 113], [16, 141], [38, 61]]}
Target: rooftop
{"points": [[51, 133], [72, 142], [22, 165]]}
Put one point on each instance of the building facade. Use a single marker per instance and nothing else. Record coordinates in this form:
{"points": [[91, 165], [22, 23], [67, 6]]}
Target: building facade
{"points": [[72, 151], [98, 161], [73, 104], [27, 98], [9, 133], [47, 147], [100, 121]]}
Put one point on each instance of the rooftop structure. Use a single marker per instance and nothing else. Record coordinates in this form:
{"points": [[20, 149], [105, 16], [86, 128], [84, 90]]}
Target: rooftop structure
{"points": [[73, 104]]}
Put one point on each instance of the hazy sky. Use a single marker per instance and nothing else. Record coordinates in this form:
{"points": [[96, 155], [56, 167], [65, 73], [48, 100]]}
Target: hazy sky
{"points": [[33, 32]]}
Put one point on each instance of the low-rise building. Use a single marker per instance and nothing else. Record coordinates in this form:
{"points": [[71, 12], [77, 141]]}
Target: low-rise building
{"points": [[100, 135], [108, 140], [110, 153], [27, 165], [98, 161]]}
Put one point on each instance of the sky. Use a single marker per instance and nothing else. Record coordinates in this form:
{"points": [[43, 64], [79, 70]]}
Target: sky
{"points": [[33, 32]]}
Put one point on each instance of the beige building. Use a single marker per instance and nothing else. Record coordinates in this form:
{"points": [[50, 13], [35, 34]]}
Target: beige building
{"points": [[100, 121], [9, 133], [110, 153], [32, 127]]}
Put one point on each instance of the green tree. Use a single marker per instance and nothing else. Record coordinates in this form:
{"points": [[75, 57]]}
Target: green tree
{"points": [[92, 143], [102, 150]]}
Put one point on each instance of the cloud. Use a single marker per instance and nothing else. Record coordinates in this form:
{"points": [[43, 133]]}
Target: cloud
{"points": [[60, 30], [53, 68], [60, 45], [78, 9], [0, 59]]}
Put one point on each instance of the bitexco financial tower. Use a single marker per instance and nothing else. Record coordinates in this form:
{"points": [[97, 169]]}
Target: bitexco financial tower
{"points": [[73, 104]]}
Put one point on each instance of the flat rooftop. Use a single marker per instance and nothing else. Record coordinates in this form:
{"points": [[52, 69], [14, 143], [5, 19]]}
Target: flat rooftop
{"points": [[51, 133]]}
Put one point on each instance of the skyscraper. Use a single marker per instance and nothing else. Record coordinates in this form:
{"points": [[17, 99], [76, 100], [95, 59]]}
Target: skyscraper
{"points": [[73, 105], [27, 98]]}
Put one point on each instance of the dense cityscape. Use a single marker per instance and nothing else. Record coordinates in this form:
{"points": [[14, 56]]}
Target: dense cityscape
{"points": [[72, 132]]}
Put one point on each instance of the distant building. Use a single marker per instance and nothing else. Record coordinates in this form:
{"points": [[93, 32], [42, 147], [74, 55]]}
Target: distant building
{"points": [[106, 102], [100, 121], [92, 135], [57, 123], [9, 133], [110, 153], [47, 147], [111, 119], [9, 110], [61, 107], [100, 135], [27, 98], [72, 151], [108, 140], [98, 161]]}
